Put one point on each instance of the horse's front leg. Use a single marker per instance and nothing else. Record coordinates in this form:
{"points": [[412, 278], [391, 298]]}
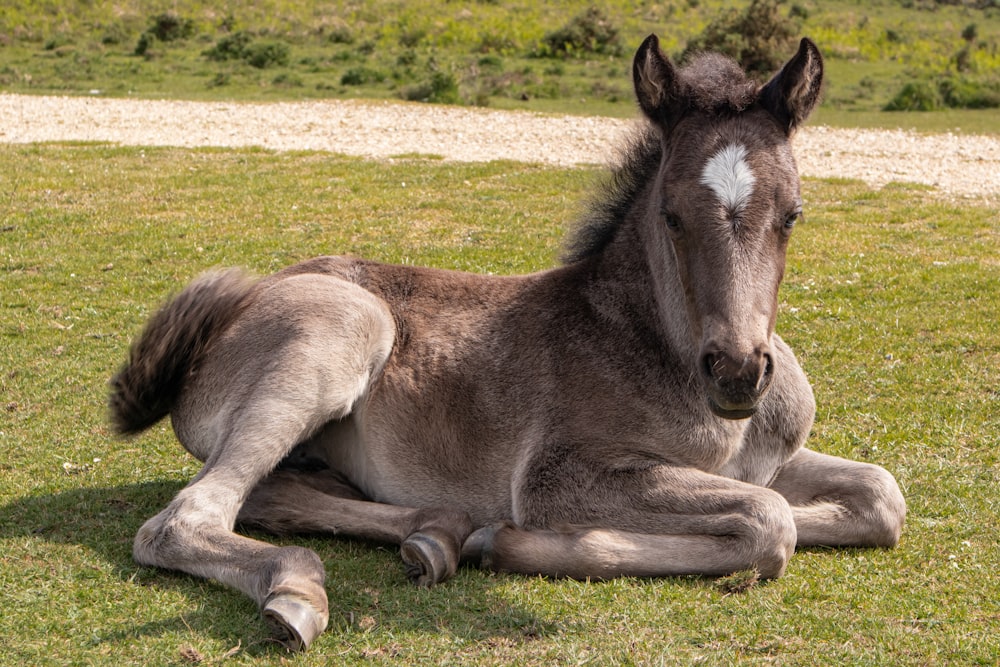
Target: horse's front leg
{"points": [[592, 520], [838, 502]]}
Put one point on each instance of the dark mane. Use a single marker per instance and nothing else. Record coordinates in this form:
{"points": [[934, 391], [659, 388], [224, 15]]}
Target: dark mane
{"points": [[712, 85], [640, 158]]}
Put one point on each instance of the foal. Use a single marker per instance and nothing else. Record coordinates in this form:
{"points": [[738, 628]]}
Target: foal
{"points": [[631, 412]]}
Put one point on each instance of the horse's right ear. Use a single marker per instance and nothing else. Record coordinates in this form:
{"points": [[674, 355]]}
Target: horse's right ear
{"points": [[655, 82]]}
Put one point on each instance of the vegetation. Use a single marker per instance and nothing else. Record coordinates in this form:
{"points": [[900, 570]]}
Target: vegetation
{"points": [[568, 56], [759, 36], [590, 32], [889, 301]]}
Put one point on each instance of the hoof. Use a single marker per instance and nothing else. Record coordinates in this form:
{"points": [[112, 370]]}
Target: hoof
{"points": [[293, 622], [429, 559], [478, 547]]}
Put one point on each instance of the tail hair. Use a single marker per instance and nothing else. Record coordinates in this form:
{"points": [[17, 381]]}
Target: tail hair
{"points": [[146, 388]]}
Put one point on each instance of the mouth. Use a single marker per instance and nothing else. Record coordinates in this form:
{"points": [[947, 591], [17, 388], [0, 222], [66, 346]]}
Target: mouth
{"points": [[731, 413]]}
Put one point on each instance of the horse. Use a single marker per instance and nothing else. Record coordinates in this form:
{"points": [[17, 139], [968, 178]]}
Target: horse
{"points": [[629, 412]]}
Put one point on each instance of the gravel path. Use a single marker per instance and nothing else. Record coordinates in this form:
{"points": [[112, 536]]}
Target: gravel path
{"points": [[957, 165]]}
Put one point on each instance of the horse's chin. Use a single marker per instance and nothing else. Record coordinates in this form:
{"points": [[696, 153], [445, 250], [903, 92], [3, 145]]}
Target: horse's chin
{"points": [[731, 413]]}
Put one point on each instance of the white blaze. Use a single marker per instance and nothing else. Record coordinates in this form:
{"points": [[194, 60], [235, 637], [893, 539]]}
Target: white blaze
{"points": [[728, 175]]}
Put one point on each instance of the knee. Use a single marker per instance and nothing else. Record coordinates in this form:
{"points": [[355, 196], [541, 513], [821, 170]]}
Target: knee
{"points": [[771, 534], [887, 508]]}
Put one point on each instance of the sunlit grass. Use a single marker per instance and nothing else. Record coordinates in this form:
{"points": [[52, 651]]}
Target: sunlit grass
{"points": [[889, 301]]}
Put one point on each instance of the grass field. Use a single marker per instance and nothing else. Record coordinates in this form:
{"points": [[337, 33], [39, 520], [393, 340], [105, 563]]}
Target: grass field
{"points": [[890, 301], [485, 53]]}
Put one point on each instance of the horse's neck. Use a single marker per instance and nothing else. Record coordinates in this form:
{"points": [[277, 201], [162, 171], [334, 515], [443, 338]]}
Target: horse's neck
{"points": [[636, 284]]}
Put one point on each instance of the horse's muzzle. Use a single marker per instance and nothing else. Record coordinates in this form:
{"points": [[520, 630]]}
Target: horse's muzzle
{"points": [[735, 386]]}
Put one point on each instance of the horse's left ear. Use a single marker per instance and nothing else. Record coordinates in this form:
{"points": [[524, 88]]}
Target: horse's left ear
{"points": [[792, 93]]}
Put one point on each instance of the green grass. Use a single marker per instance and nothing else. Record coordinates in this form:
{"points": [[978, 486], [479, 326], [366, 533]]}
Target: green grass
{"points": [[483, 53], [890, 301]]}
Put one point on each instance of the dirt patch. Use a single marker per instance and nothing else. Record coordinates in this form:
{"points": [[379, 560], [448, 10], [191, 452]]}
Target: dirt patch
{"points": [[957, 165]]}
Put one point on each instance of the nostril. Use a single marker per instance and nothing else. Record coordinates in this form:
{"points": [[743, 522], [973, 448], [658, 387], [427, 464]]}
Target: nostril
{"points": [[767, 372], [709, 365]]}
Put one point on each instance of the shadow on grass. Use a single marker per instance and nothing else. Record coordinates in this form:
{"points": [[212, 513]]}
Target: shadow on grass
{"points": [[365, 580]]}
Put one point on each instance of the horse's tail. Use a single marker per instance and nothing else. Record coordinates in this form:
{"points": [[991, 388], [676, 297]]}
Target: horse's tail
{"points": [[146, 388]]}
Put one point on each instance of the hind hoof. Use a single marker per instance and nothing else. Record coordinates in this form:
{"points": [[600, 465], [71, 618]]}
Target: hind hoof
{"points": [[293, 622], [429, 559]]}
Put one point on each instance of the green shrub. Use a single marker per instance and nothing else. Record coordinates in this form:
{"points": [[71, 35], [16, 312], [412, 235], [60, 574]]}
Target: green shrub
{"points": [[242, 46], [359, 76], [952, 91], [760, 37], [341, 35], [915, 96], [230, 47], [142, 46], [170, 27], [266, 54], [442, 88], [114, 34], [407, 58], [966, 93], [590, 32]]}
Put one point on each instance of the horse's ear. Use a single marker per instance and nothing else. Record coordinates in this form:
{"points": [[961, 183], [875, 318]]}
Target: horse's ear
{"points": [[792, 93], [655, 82]]}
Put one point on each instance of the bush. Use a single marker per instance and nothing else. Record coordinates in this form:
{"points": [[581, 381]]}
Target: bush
{"points": [[114, 34], [170, 27], [359, 76], [442, 88], [966, 93], [230, 47], [915, 96], [341, 35], [241, 46], [760, 38], [266, 54], [953, 92], [590, 32], [146, 40]]}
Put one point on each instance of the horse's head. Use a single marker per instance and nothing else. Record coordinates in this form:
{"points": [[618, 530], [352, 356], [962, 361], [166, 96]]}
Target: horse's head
{"points": [[724, 203]]}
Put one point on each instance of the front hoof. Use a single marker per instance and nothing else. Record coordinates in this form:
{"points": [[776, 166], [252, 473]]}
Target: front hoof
{"points": [[478, 547], [293, 622], [429, 558]]}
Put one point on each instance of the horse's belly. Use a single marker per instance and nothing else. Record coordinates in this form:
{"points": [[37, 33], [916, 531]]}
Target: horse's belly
{"points": [[435, 467], [410, 469]]}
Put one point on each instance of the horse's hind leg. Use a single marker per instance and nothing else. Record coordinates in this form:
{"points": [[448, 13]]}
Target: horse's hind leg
{"points": [[193, 535], [300, 356], [290, 501]]}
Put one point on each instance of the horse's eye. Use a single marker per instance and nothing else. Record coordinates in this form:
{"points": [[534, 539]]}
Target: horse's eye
{"points": [[792, 219], [672, 221]]}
